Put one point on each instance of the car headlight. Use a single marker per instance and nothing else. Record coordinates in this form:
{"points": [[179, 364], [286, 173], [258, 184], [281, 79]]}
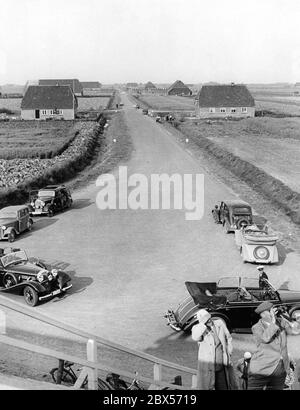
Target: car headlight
{"points": [[50, 276], [3, 227], [54, 272], [40, 277]]}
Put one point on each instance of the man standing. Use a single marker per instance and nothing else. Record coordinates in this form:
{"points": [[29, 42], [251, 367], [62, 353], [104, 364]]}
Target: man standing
{"points": [[262, 276], [270, 362], [215, 371]]}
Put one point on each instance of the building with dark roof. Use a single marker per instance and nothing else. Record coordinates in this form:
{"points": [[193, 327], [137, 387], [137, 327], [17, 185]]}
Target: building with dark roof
{"points": [[74, 83], [149, 86], [232, 100], [178, 88], [91, 88], [42, 102]]}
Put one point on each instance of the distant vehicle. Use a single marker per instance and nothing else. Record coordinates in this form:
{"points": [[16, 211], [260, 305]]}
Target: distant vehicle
{"points": [[49, 200], [157, 118], [145, 111], [233, 214], [136, 106], [31, 278], [256, 245], [13, 221], [232, 299]]}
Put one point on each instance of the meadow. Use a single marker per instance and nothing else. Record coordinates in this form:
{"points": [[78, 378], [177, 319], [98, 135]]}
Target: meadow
{"points": [[13, 104], [168, 102], [35, 139], [93, 103]]}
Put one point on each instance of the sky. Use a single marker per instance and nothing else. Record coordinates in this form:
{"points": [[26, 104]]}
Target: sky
{"points": [[119, 41]]}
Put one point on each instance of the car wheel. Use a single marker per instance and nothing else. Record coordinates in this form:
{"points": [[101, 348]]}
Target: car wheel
{"points": [[296, 315], [261, 252], [30, 296], [50, 212], [30, 223], [11, 236], [9, 280], [242, 222]]}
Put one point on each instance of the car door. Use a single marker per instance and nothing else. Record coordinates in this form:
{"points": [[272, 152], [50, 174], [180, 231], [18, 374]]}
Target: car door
{"points": [[22, 218]]}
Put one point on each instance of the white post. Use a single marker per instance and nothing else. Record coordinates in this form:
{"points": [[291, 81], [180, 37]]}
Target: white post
{"points": [[91, 349], [194, 382], [157, 373], [2, 322]]}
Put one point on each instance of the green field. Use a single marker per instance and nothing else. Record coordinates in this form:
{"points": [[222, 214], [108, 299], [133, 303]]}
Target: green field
{"points": [[92, 103], [30, 139], [271, 144], [166, 102], [13, 104]]}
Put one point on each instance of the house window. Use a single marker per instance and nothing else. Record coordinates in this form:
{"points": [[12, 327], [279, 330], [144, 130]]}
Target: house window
{"points": [[244, 109], [44, 112], [233, 110], [211, 109], [223, 110]]}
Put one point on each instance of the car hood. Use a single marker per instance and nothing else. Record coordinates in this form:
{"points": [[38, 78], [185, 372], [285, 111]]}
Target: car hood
{"points": [[24, 268], [6, 221]]}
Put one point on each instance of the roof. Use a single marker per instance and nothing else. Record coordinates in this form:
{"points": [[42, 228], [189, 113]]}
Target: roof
{"points": [[150, 85], [74, 83], [236, 202], [47, 96], [90, 84], [132, 85], [235, 95], [178, 84]]}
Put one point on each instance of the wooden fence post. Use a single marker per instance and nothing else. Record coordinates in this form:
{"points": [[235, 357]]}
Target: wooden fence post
{"points": [[2, 322], [60, 370], [91, 349]]}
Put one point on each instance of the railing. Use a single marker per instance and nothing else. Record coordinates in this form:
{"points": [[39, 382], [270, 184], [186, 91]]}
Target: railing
{"points": [[90, 366]]}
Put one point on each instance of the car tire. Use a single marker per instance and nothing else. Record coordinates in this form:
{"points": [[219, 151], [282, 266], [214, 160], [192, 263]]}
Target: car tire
{"points": [[50, 212], [30, 296], [11, 236], [30, 223], [9, 280], [67, 377]]}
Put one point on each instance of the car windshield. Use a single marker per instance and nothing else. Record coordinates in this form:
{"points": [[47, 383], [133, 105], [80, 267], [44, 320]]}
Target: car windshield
{"points": [[241, 210], [14, 257], [7, 214], [46, 193]]}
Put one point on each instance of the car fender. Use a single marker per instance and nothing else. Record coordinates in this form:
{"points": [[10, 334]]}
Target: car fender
{"points": [[38, 287], [10, 229]]}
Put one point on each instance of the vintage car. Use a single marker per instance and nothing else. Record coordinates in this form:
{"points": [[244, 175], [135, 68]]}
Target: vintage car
{"points": [[256, 245], [49, 200], [232, 299], [145, 111], [33, 279], [14, 220], [233, 214]]}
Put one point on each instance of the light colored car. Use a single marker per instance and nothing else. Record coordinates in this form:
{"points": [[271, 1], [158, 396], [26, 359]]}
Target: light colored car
{"points": [[256, 245], [14, 220]]}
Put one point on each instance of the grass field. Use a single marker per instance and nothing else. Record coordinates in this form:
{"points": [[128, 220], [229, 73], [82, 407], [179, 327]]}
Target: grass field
{"points": [[271, 144], [30, 139], [13, 104], [92, 103], [166, 102]]}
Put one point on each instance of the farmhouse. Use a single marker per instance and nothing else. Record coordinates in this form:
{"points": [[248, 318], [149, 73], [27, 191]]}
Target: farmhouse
{"points": [[149, 87], [91, 88], [232, 100], [73, 83], [178, 88], [42, 102]]}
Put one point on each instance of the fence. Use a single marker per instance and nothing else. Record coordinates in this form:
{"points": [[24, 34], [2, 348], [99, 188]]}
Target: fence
{"points": [[90, 365]]}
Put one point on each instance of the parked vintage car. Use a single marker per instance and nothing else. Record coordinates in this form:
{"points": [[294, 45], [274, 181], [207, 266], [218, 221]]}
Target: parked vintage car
{"points": [[49, 200], [233, 214], [232, 299], [33, 279], [14, 220], [257, 245], [145, 111]]}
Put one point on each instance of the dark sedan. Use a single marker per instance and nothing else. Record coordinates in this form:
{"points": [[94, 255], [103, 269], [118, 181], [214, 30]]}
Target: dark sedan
{"points": [[232, 299]]}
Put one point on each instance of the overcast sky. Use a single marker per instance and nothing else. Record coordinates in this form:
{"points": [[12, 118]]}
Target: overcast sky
{"points": [[161, 41]]}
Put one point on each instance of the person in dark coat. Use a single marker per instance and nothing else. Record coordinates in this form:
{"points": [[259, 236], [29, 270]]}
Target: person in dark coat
{"points": [[270, 362]]}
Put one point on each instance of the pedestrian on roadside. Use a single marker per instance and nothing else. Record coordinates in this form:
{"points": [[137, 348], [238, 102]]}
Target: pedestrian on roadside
{"points": [[270, 363], [215, 370], [262, 276], [243, 369]]}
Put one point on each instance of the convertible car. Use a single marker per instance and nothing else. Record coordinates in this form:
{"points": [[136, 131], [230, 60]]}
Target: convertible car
{"points": [[256, 245], [32, 278], [232, 299]]}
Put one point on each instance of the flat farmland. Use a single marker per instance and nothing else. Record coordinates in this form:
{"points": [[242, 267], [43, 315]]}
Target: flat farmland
{"points": [[168, 102], [92, 103], [13, 104], [30, 139], [271, 144]]}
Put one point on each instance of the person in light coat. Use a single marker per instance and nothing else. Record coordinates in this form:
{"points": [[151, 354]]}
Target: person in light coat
{"points": [[215, 370]]}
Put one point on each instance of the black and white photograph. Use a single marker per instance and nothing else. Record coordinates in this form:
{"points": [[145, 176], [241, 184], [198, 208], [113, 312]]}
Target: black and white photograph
{"points": [[149, 198]]}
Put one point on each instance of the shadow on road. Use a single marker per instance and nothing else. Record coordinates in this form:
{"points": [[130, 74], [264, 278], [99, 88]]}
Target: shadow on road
{"points": [[41, 223], [82, 203]]}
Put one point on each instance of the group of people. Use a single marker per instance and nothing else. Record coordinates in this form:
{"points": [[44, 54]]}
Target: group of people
{"points": [[268, 368]]}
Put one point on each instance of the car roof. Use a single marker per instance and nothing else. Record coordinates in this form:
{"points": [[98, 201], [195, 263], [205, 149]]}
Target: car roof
{"points": [[14, 207], [52, 187], [236, 202]]}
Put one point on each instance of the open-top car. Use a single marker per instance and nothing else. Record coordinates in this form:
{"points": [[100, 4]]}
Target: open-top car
{"points": [[257, 245], [32, 278], [232, 299], [233, 214], [49, 200], [14, 220]]}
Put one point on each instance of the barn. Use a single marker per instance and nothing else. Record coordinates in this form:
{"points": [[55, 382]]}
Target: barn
{"points": [[43, 102], [91, 88], [74, 83], [149, 87], [178, 88], [234, 100]]}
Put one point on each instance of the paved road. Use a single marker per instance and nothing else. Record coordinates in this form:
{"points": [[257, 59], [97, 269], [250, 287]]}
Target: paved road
{"points": [[129, 266]]}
